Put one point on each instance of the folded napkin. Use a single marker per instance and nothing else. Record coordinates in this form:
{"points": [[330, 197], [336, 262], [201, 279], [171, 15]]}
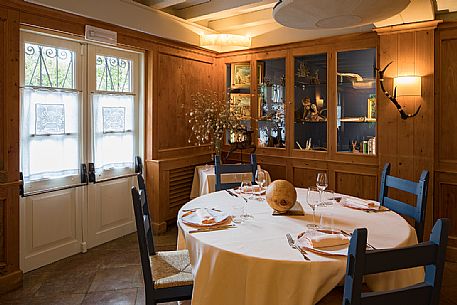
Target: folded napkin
{"points": [[319, 240], [205, 216], [359, 204]]}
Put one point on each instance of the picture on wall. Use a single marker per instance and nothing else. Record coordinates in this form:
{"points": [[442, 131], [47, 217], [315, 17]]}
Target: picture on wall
{"points": [[241, 75], [371, 113], [240, 105]]}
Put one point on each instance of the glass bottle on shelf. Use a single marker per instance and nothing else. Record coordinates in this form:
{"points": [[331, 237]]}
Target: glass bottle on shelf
{"points": [[356, 101], [238, 96], [271, 82], [310, 88]]}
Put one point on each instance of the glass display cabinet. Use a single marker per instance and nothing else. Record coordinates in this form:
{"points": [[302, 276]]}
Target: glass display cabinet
{"points": [[356, 101], [238, 96], [310, 111], [271, 82]]}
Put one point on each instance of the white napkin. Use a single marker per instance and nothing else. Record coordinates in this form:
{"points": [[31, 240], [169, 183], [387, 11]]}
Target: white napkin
{"points": [[323, 240], [205, 216], [359, 204]]}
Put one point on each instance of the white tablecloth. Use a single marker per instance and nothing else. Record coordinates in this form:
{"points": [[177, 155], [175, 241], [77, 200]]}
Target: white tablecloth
{"points": [[253, 264], [205, 180]]}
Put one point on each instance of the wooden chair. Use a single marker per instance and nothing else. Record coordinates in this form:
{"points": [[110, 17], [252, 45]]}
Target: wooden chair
{"points": [[167, 275], [220, 169], [419, 189], [430, 254]]}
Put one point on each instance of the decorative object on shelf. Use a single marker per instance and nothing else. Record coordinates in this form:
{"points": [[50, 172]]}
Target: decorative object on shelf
{"points": [[306, 102], [308, 144], [354, 146], [371, 108], [393, 98], [240, 105], [310, 14], [281, 195], [312, 78], [241, 75], [260, 76], [209, 117]]}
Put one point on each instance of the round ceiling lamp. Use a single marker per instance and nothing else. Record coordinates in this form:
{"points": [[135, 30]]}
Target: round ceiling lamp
{"points": [[333, 14]]}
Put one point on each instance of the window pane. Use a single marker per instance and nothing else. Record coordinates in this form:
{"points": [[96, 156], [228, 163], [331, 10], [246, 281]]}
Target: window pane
{"points": [[114, 140], [310, 87], [356, 103], [49, 134], [49, 67], [271, 82], [113, 74]]}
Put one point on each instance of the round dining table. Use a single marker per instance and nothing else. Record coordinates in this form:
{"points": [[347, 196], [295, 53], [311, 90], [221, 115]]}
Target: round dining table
{"points": [[253, 264]]}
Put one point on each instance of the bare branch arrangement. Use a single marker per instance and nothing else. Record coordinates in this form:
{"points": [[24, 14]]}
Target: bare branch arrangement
{"points": [[210, 117]]}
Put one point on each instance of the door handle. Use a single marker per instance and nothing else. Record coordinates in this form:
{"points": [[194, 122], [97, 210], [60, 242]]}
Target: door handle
{"points": [[91, 172], [84, 177], [21, 184]]}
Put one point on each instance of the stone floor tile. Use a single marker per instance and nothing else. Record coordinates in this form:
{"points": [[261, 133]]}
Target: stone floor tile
{"points": [[113, 297], [114, 278]]}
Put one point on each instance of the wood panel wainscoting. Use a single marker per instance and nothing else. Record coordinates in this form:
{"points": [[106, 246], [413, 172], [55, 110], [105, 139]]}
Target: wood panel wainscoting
{"points": [[445, 126]]}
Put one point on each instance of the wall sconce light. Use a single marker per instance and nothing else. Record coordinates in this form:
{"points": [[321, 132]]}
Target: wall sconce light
{"points": [[408, 85], [225, 40]]}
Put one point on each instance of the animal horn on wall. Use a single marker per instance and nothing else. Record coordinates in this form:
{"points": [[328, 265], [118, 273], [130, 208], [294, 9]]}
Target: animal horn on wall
{"points": [[393, 98]]}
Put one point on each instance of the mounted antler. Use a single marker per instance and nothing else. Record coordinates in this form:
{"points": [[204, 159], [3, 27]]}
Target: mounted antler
{"points": [[393, 98]]}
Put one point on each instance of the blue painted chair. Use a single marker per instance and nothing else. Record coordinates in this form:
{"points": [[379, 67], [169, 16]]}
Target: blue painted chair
{"points": [[220, 169], [419, 189], [167, 275], [430, 254]]}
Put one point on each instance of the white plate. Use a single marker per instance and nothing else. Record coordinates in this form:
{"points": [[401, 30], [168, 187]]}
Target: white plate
{"points": [[193, 218], [341, 250]]}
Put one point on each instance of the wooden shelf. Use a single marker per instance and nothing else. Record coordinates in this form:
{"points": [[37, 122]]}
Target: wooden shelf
{"points": [[358, 120]]}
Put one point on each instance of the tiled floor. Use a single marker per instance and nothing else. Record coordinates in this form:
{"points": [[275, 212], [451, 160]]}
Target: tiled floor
{"points": [[111, 274]]}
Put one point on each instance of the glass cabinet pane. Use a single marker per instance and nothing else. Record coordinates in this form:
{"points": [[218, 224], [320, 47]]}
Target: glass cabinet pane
{"points": [[356, 101], [310, 87], [239, 96], [271, 79]]}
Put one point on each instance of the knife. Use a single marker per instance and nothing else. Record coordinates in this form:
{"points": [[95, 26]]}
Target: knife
{"points": [[211, 229]]}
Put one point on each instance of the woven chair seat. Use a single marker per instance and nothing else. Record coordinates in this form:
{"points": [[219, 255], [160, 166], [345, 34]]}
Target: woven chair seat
{"points": [[171, 269]]}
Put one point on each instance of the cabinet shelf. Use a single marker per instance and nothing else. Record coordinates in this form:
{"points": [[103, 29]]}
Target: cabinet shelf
{"points": [[358, 120]]}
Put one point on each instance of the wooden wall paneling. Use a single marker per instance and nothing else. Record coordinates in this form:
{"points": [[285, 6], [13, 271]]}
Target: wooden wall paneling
{"points": [[445, 207], [305, 172], [276, 166], [10, 275], [424, 134], [447, 102], [355, 180]]}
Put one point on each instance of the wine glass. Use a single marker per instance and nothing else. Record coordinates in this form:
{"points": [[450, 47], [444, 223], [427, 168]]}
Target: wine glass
{"points": [[260, 179], [246, 189], [313, 202], [321, 183]]}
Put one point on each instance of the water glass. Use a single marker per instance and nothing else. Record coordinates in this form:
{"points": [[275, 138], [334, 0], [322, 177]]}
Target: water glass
{"points": [[321, 183], [313, 201]]}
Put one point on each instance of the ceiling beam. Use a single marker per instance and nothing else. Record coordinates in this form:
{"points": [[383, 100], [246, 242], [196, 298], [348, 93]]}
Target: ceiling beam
{"points": [[161, 4], [216, 9], [242, 21]]}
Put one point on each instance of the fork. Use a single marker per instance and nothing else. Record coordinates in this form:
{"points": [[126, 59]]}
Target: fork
{"points": [[291, 242]]}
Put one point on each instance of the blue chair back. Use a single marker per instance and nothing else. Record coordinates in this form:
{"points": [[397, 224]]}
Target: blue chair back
{"points": [[143, 229], [220, 169], [419, 189], [430, 254], [145, 210]]}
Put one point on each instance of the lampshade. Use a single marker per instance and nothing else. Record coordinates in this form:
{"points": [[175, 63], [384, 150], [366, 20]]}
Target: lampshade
{"points": [[408, 85], [225, 40], [332, 14]]}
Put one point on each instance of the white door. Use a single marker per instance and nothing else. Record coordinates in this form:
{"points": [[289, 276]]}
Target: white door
{"points": [[51, 142], [79, 136], [113, 87]]}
